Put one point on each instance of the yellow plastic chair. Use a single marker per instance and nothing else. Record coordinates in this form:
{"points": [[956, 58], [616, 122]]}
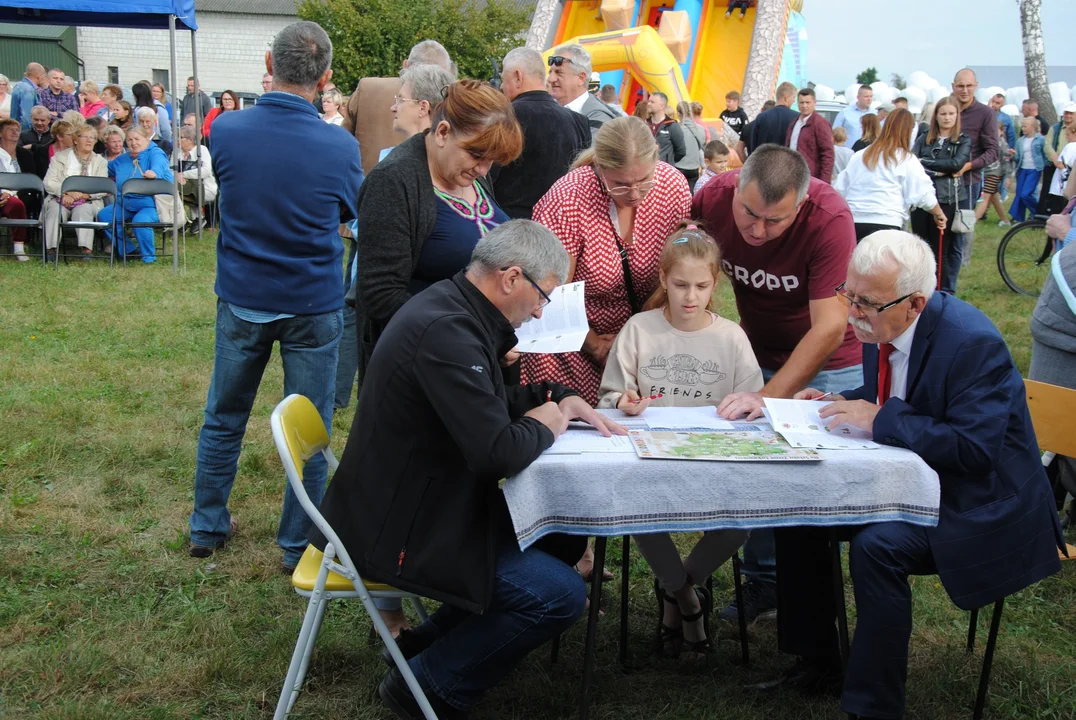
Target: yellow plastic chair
{"points": [[299, 434], [1051, 415]]}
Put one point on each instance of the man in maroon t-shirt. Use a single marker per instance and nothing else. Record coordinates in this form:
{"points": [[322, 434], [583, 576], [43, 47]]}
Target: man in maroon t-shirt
{"points": [[786, 239]]}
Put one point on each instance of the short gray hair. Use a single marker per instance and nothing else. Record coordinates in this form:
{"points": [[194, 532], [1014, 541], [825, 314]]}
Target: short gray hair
{"points": [[778, 170], [577, 55], [333, 96], [188, 133], [528, 60], [39, 110], [525, 244], [109, 130], [887, 250], [428, 82], [431, 52], [302, 52], [139, 130], [146, 112]]}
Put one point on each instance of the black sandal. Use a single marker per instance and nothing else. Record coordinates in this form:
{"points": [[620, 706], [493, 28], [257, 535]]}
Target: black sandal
{"points": [[699, 648], [669, 640]]}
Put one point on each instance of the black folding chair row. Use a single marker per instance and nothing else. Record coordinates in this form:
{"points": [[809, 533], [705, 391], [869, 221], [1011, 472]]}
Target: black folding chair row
{"points": [[24, 182], [149, 188], [90, 186]]}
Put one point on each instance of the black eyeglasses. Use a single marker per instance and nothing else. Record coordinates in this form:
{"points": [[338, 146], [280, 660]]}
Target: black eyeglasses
{"points": [[557, 60], [545, 298], [850, 300]]}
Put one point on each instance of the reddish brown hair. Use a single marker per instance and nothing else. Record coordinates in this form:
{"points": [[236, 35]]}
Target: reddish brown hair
{"points": [[871, 127], [482, 119], [895, 140]]}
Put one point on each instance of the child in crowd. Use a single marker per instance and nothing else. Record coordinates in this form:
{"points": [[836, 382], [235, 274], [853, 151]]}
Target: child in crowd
{"points": [[995, 175], [1030, 159], [733, 115], [715, 156], [680, 350]]}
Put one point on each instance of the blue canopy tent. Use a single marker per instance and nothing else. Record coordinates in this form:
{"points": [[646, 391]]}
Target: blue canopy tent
{"points": [[144, 14]]}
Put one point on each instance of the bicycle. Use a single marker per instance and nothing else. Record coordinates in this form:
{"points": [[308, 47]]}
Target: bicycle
{"points": [[1024, 256]]}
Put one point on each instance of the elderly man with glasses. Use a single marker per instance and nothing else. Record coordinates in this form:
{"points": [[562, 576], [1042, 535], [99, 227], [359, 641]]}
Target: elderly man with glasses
{"points": [[416, 499], [569, 75], [938, 380]]}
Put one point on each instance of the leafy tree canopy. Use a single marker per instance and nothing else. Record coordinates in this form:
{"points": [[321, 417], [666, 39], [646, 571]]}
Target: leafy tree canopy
{"points": [[868, 76]]}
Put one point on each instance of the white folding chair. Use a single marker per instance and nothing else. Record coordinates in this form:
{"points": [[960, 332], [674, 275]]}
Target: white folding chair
{"points": [[299, 434]]}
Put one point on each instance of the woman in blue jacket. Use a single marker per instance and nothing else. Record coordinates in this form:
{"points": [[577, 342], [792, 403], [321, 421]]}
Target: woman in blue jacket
{"points": [[1030, 159], [143, 159]]}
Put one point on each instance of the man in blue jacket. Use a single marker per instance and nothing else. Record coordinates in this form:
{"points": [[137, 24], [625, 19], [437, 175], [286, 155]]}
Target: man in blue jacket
{"points": [[772, 125], [284, 178], [939, 380]]}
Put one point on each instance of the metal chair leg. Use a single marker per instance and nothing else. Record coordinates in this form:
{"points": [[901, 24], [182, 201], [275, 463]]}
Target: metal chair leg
{"points": [[625, 587], [838, 596], [420, 610], [290, 690], [988, 660], [310, 642], [592, 625], [741, 617], [973, 622]]}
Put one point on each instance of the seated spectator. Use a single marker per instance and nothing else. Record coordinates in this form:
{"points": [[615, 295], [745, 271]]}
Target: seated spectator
{"points": [[190, 120], [196, 166], [841, 154], [143, 159], [871, 127], [147, 120], [715, 161], [98, 125], [11, 206], [79, 160], [94, 105], [111, 94], [74, 117], [498, 602], [939, 381], [882, 182], [427, 203], [160, 98], [63, 138], [5, 97], [38, 139], [679, 321], [331, 100], [113, 139], [229, 100], [123, 116], [143, 96]]}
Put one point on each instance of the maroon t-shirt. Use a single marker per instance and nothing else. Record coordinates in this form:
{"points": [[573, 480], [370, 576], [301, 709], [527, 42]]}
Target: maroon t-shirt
{"points": [[774, 282]]}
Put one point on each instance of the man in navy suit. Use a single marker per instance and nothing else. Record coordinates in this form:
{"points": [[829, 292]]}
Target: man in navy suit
{"points": [[939, 380]]}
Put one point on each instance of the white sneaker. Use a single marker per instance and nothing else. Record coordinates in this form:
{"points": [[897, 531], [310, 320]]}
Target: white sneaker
{"points": [[22, 257], [1004, 223]]}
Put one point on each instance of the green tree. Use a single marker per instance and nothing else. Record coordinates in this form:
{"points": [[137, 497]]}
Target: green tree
{"points": [[371, 38], [868, 76], [897, 81]]}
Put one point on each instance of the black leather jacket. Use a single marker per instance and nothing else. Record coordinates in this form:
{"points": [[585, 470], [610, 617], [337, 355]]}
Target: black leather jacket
{"points": [[941, 160]]}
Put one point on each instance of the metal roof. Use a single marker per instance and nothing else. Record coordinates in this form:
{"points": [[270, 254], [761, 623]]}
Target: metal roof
{"points": [[248, 7], [37, 32]]}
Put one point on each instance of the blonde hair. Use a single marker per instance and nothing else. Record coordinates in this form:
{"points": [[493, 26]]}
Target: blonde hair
{"points": [[89, 86], [73, 118], [86, 129], [62, 127], [687, 242], [620, 143]]}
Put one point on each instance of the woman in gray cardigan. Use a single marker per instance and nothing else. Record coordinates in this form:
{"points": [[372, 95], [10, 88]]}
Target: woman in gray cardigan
{"points": [[423, 209]]}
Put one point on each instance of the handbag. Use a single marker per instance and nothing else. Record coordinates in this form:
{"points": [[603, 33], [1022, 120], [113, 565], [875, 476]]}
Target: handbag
{"points": [[963, 218]]}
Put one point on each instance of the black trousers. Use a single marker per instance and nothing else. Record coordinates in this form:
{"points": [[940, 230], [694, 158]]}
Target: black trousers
{"points": [[951, 258], [881, 557], [865, 229]]}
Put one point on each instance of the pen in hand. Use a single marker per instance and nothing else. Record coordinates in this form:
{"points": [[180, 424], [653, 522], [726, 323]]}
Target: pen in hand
{"points": [[652, 397]]}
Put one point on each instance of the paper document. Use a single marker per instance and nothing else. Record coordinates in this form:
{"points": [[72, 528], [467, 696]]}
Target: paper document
{"points": [[575, 441], [799, 424], [681, 418], [563, 326]]}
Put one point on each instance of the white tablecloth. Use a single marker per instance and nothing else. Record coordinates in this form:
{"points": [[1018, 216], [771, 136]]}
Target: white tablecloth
{"points": [[621, 494]]}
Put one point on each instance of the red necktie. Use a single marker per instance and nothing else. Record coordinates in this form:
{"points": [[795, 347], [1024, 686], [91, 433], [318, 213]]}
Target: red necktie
{"points": [[885, 372]]}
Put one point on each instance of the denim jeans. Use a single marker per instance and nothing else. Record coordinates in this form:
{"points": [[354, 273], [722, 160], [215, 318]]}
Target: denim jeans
{"points": [[535, 598], [348, 364], [759, 554], [951, 264], [308, 350]]}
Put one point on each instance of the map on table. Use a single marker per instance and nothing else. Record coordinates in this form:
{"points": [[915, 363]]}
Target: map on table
{"points": [[735, 446]]}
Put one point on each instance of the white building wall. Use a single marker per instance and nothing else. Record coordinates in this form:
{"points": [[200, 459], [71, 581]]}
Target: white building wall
{"points": [[231, 51]]}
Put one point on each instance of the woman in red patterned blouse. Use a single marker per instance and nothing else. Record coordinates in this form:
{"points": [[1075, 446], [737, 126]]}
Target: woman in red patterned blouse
{"points": [[617, 200]]}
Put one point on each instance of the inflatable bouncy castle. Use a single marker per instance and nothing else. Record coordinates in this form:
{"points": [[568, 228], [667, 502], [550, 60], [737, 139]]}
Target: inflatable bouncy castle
{"points": [[687, 49]]}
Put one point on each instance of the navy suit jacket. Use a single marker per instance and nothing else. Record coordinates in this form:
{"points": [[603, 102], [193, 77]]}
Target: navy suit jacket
{"points": [[966, 415]]}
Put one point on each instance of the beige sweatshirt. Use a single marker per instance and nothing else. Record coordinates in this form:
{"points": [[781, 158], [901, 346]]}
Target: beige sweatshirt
{"points": [[650, 356]]}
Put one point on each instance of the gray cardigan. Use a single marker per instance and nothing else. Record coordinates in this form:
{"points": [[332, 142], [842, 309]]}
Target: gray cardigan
{"points": [[397, 212]]}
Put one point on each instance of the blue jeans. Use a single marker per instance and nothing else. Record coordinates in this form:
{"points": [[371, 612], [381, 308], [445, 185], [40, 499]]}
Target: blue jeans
{"points": [[759, 554], [348, 364], [535, 598], [1027, 200], [137, 208], [952, 263], [308, 350]]}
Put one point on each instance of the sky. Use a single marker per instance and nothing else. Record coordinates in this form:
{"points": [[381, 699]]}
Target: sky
{"points": [[847, 36]]}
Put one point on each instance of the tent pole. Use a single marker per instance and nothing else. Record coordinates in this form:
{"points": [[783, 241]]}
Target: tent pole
{"points": [[198, 131], [177, 205]]}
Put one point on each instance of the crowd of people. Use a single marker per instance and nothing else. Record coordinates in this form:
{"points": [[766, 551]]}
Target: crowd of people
{"points": [[464, 207]]}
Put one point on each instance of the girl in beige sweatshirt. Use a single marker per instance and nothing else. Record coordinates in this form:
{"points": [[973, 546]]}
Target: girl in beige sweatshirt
{"points": [[678, 352]]}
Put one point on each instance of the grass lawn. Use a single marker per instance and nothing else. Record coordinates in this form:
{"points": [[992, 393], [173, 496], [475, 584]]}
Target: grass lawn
{"points": [[104, 615]]}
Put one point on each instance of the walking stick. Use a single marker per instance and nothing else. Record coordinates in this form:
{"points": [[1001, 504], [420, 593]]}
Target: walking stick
{"points": [[941, 240]]}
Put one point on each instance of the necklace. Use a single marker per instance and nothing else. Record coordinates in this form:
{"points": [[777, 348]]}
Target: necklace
{"points": [[481, 213]]}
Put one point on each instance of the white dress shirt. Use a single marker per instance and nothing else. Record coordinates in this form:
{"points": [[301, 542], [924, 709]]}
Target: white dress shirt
{"points": [[577, 104], [794, 141], [898, 361]]}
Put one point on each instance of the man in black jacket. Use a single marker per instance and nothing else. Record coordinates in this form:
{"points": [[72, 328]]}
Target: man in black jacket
{"points": [[552, 135], [416, 500], [667, 132], [772, 125]]}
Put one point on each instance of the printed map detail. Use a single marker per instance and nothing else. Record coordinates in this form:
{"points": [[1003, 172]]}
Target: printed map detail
{"points": [[736, 446]]}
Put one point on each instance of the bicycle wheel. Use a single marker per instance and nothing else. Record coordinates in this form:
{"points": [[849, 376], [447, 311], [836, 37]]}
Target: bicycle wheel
{"points": [[1024, 257]]}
